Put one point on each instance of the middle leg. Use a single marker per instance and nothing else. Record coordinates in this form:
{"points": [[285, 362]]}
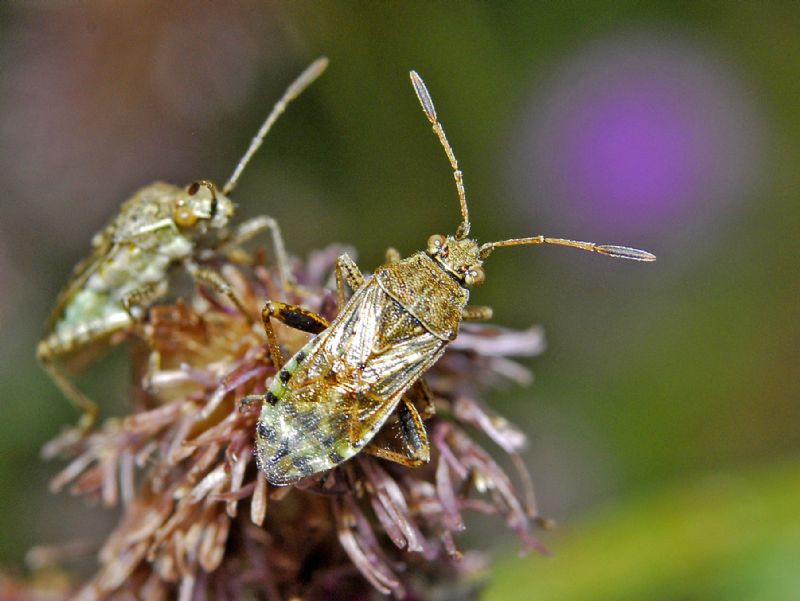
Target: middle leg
{"points": [[476, 313], [347, 271], [255, 227]]}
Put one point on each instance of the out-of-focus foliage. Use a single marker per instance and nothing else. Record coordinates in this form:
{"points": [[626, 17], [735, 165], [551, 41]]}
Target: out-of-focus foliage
{"points": [[733, 535], [668, 126]]}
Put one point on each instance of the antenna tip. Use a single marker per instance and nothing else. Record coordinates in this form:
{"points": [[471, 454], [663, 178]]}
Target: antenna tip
{"points": [[624, 252], [423, 95], [315, 69]]}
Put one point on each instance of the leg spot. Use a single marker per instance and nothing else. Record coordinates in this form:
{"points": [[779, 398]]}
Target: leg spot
{"points": [[302, 322], [271, 398]]}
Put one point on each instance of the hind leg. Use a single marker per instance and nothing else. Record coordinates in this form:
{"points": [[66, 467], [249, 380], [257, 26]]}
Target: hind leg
{"points": [[404, 441], [88, 408]]}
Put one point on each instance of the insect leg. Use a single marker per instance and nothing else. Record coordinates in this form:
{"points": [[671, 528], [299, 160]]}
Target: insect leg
{"points": [[392, 255], [347, 270], [293, 316], [422, 397], [218, 283], [246, 402], [415, 450], [141, 296], [476, 313], [88, 408], [254, 227]]}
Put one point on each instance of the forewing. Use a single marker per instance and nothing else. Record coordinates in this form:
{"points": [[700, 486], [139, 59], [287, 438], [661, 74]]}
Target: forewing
{"points": [[398, 372], [102, 249]]}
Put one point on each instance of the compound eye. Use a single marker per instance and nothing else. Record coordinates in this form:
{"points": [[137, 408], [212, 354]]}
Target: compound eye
{"points": [[475, 276], [435, 244], [183, 214]]}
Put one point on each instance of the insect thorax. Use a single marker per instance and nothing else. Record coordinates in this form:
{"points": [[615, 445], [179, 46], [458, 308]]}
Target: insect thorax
{"points": [[427, 292]]}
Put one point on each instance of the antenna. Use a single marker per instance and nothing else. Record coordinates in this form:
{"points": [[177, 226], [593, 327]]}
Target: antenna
{"points": [[312, 72], [611, 250], [430, 112]]}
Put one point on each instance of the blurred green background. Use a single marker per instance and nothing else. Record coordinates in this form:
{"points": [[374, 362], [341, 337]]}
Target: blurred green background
{"points": [[664, 421]]}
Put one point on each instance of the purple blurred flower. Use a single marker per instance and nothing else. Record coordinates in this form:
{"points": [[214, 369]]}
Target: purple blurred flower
{"points": [[639, 132]]}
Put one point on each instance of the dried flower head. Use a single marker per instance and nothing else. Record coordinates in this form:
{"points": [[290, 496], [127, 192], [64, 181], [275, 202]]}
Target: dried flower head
{"points": [[201, 522]]}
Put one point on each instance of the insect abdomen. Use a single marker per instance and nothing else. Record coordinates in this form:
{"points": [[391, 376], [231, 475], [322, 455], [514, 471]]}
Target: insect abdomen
{"points": [[294, 439]]}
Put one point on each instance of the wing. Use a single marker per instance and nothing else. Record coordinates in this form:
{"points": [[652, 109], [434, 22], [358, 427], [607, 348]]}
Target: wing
{"points": [[372, 353], [373, 344], [102, 247]]}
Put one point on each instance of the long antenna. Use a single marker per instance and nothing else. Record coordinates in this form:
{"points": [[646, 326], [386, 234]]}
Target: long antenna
{"points": [[430, 112], [611, 250], [311, 73]]}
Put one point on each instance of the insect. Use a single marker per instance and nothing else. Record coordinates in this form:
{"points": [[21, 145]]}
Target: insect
{"points": [[362, 373], [160, 226]]}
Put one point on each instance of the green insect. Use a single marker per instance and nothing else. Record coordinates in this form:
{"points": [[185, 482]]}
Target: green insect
{"points": [[161, 226], [362, 373]]}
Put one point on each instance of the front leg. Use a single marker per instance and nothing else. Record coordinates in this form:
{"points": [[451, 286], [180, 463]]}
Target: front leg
{"points": [[347, 271], [207, 276], [254, 227], [392, 255], [476, 313]]}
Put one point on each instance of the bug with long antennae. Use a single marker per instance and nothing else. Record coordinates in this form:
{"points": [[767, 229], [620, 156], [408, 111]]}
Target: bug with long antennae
{"points": [[358, 385], [159, 227]]}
